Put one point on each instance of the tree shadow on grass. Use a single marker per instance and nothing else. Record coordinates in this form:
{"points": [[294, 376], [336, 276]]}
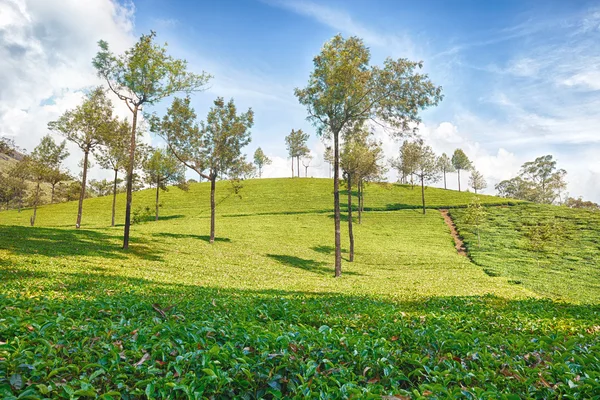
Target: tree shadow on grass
{"points": [[151, 218], [55, 242], [190, 320], [205, 238], [317, 267]]}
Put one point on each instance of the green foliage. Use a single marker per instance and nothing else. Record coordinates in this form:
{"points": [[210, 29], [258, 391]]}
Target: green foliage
{"points": [[141, 214], [344, 90], [258, 315], [542, 234], [477, 181], [361, 157], [162, 169], [145, 73], [214, 147], [406, 163], [89, 123], [295, 143], [475, 217], [563, 261], [445, 164], [539, 181], [261, 159], [460, 161]]}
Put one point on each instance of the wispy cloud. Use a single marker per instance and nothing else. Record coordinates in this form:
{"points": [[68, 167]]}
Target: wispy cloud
{"points": [[340, 20]]}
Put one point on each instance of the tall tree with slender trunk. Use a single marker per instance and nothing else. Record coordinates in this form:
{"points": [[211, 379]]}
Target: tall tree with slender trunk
{"points": [[426, 168], [163, 169], [43, 161], [406, 163], [477, 181], [260, 160], [444, 164], [306, 160], [296, 146], [114, 155], [460, 161], [143, 75], [344, 91], [86, 126], [359, 160], [211, 149]]}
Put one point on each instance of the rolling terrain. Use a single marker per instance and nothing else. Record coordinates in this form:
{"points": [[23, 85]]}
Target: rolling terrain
{"points": [[258, 313]]}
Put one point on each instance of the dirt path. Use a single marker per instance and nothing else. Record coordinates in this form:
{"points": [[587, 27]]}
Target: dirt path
{"points": [[458, 243]]}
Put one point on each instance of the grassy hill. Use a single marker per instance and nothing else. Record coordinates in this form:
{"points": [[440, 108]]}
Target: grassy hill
{"points": [[258, 314]]}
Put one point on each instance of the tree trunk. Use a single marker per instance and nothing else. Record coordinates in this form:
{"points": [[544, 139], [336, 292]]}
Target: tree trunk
{"points": [[114, 204], [130, 180], [445, 180], [213, 179], [157, 192], [52, 193], [350, 232], [35, 203], [82, 193], [336, 204], [292, 166], [298, 165], [306, 172], [458, 171], [423, 193], [259, 171]]}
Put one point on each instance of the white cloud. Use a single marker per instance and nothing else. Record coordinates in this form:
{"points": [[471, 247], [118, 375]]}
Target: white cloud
{"points": [[46, 49]]}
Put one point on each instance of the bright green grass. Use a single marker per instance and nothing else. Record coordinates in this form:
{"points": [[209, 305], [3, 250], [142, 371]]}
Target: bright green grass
{"points": [[259, 315], [569, 270], [258, 196]]}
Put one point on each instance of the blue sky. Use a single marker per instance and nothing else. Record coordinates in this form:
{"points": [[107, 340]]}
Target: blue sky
{"points": [[521, 78]]}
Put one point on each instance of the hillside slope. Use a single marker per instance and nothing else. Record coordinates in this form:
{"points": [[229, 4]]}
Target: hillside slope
{"points": [[258, 313], [567, 268], [258, 196]]}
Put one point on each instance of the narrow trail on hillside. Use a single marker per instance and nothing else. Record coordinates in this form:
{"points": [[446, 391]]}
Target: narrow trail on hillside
{"points": [[458, 243]]}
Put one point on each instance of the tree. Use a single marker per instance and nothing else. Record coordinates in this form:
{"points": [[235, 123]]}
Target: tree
{"points": [[581, 204], [113, 154], [54, 177], [359, 161], [296, 145], [13, 186], [344, 91], [261, 159], [163, 169], [460, 161], [306, 160], [426, 168], [406, 163], [211, 149], [475, 216], [100, 188], [477, 181], [142, 76], [542, 234], [41, 163], [546, 178], [16, 181], [87, 125], [444, 164], [539, 181]]}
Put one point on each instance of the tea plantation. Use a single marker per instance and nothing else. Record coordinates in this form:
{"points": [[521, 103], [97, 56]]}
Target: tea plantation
{"points": [[258, 313]]}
